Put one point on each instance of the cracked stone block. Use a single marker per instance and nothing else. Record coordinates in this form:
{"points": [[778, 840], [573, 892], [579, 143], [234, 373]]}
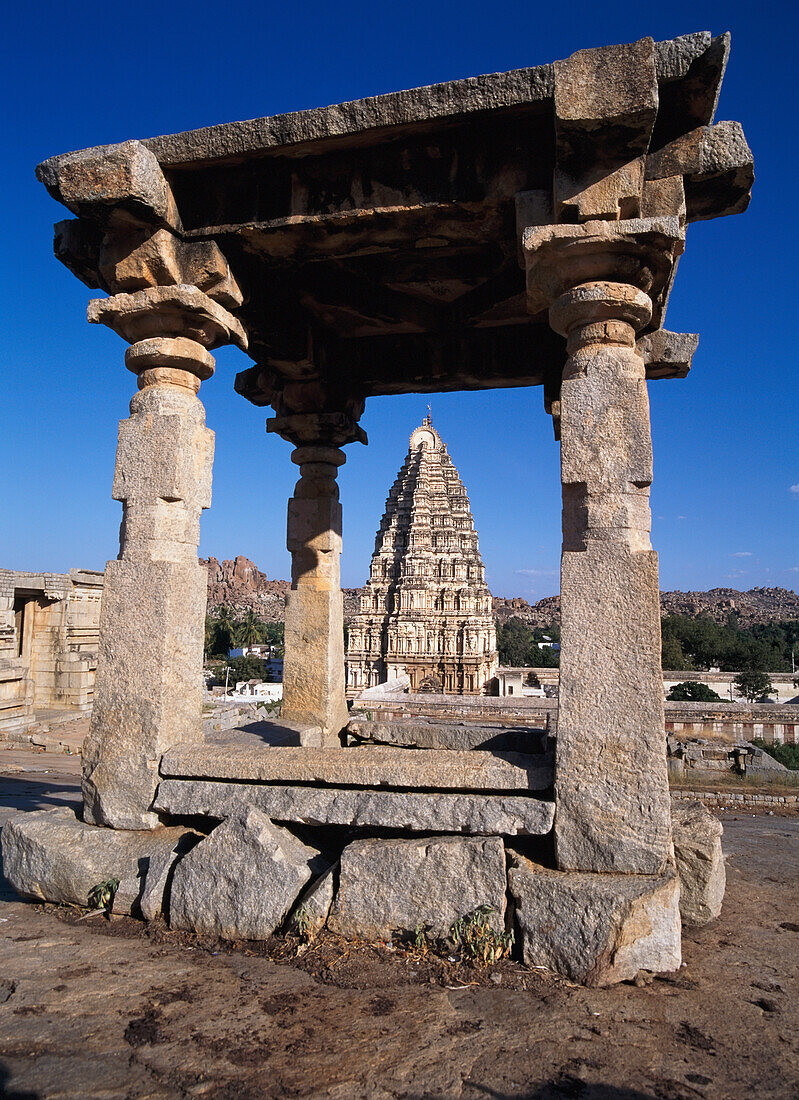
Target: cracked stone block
{"points": [[388, 886], [242, 880], [593, 928], [51, 855], [700, 862]]}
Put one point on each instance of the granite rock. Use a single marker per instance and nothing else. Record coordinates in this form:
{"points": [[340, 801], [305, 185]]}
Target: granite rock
{"points": [[593, 928], [388, 886], [242, 880], [314, 905], [50, 855], [700, 862], [421, 734]]}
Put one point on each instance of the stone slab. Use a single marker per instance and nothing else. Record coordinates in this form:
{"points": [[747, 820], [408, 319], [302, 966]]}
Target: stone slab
{"points": [[700, 862], [420, 734], [433, 812], [372, 766], [593, 928], [50, 855], [388, 886], [242, 880]]}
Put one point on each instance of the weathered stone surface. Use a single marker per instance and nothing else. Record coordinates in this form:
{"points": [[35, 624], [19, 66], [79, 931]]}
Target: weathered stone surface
{"points": [[51, 855], [454, 98], [122, 180], [313, 668], [667, 354], [147, 258], [612, 787], [700, 862], [432, 812], [387, 886], [169, 311], [606, 103], [154, 900], [420, 734], [372, 766], [717, 166], [593, 928], [242, 880], [314, 905], [690, 71], [551, 254]]}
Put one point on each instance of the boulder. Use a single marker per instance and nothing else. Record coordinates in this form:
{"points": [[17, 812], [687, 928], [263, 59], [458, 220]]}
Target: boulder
{"points": [[314, 906], [597, 929], [700, 862], [242, 880], [50, 855], [388, 886]]}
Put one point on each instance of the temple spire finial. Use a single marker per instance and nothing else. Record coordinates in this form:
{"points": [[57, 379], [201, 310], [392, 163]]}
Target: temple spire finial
{"points": [[428, 420]]}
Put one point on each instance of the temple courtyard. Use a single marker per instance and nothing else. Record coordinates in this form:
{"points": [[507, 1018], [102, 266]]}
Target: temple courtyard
{"points": [[115, 1008]]}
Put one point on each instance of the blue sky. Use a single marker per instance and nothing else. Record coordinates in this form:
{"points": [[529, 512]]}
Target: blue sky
{"points": [[725, 498]]}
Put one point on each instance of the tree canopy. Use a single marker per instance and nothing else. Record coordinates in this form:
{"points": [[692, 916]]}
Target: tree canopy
{"points": [[517, 643], [692, 691]]}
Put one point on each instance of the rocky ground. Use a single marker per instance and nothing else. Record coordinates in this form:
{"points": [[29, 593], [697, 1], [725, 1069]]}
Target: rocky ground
{"points": [[96, 1008]]}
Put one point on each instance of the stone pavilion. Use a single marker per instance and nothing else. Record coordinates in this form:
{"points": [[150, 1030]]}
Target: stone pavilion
{"points": [[426, 610], [514, 229]]}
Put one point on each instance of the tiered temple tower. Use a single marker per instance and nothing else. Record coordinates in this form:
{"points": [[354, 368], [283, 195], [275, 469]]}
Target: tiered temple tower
{"points": [[426, 609]]}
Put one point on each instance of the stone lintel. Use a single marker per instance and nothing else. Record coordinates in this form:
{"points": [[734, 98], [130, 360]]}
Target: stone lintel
{"points": [[378, 766], [122, 183], [430, 812]]}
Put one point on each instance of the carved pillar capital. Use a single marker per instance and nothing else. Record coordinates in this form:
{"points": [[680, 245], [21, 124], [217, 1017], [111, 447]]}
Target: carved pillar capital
{"points": [[171, 329]]}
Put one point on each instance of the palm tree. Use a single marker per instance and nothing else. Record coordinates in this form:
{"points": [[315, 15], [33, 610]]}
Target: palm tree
{"points": [[249, 631]]}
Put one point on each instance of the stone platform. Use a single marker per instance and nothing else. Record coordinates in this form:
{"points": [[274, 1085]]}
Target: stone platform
{"points": [[483, 793], [381, 766]]}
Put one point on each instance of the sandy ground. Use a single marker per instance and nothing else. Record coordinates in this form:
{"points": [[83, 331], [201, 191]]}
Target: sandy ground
{"points": [[110, 1009]]}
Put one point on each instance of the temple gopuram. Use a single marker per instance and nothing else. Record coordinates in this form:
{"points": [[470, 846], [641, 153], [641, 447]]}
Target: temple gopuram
{"points": [[426, 610]]}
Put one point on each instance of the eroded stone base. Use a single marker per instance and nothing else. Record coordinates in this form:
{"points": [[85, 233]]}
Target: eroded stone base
{"points": [[50, 855], [389, 886], [594, 928]]}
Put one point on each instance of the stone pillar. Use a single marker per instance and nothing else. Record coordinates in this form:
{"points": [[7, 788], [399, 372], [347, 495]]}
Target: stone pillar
{"points": [[148, 692], [313, 667], [612, 797]]}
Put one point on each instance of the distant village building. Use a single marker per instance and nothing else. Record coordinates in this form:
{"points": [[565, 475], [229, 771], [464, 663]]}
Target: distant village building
{"points": [[426, 609], [49, 635]]}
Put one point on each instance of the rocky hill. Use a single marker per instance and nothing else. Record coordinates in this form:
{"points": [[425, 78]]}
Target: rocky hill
{"points": [[758, 605], [241, 585]]}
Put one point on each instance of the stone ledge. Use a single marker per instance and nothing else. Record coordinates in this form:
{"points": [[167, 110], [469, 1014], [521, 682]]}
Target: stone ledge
{"points": [[480, 815], [373, 766]]}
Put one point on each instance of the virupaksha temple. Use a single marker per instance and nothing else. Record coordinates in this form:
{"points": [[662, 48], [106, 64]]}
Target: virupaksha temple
{"points": [[517, 229]]}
